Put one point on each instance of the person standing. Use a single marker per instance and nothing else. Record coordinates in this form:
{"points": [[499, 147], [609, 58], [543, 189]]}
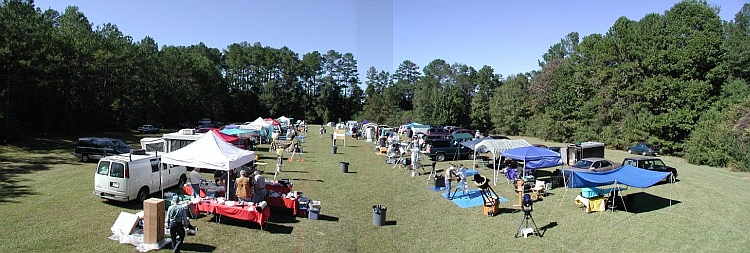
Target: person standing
{"points": [[177, 221], [322, 131], [195, 180], [259, 187], [449, 176], [244, 192]]}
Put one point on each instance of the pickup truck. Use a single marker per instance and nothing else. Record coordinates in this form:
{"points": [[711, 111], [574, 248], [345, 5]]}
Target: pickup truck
{"points": [[650, 163], [440, 149]]}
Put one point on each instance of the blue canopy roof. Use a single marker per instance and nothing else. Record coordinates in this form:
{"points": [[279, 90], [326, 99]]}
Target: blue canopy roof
{"points": [[236, 131], [627, 175], [534, 157]]}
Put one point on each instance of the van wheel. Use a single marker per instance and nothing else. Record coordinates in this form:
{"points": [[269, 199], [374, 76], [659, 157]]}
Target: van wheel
{"points": [[84, 158], [440, 157], [182, 181], [143, 194]]}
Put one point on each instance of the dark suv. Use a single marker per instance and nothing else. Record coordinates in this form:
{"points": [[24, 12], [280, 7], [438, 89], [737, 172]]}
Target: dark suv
{"points": [[437, 131], [441, 149], [89, 148]]}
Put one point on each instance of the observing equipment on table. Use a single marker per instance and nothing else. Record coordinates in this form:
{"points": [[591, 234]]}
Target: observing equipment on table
{"points": [[491, 203], [527, 206]]}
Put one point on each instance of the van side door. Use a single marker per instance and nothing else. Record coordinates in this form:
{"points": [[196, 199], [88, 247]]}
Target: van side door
{"points": [[155, 175]]}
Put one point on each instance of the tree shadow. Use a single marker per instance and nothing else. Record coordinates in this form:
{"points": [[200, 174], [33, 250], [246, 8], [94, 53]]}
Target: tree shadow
{"points": [[12, 186], [197, 247]]}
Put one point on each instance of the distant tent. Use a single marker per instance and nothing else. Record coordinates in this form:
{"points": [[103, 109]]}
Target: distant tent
{"points": [[272, 122]]}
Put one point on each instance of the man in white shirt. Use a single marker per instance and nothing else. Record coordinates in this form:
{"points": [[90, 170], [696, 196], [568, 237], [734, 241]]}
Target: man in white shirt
{"points": [[195, 180], [259, 187]]}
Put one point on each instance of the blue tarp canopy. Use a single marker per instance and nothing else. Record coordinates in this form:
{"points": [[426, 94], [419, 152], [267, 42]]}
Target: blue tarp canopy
{"points": [[236, 131], [627, 175], [534, 157]]}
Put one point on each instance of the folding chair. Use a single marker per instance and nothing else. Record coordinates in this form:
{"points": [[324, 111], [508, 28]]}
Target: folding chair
{"points": [[510, 175]]}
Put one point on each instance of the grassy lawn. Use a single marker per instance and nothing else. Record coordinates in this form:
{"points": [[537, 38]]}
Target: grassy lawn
{"points": [[47, 204]]}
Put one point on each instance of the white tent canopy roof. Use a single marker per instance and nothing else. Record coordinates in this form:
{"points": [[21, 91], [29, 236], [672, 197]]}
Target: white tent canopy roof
{"points": [[498, 146], [256, 125], [210, 152]]}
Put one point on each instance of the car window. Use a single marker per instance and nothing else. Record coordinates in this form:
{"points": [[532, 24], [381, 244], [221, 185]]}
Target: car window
{"points": [[597, 165], [117, 170], [103, 168], [605, 164], [659, 163], [154, 165], [121, 146], [582, 164], [630, 162]]}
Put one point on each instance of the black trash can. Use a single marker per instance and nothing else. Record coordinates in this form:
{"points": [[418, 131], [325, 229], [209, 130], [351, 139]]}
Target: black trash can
{"points": [[378, 215], [333, 149], [344, 167]]}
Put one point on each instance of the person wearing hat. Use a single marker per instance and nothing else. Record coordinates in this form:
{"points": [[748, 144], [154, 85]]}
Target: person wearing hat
{"points": [[177, 221]]}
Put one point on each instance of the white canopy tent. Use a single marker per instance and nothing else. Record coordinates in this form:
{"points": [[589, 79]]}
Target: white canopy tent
{"points": [[210, 152], [496, 147], [261, 125]]}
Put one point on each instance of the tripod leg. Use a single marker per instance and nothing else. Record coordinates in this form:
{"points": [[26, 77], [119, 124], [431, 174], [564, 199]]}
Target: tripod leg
{"points": [[519, 226], [536, 229]]}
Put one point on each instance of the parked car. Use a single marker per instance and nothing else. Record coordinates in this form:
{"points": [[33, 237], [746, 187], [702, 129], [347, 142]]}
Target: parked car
{"points": [[437, 131], [204, 121], [593, 164], [651, 163], [499, 137], [147, 129], [643, 148], [468, 131], [88, 148], [441, 149]]}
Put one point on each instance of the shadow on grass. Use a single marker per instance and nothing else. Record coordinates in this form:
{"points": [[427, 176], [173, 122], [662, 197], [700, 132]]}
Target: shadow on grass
{"points": [[310, 180], [642, 202], [12, 186], [197, 247], [131, 205], [282, 215], [351, 172], [544, 228], [278, 229], [295, 171], [506, 210], [327, 218], [390, 223]]}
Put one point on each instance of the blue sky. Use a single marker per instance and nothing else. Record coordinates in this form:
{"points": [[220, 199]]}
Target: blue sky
{"points": [[509, 36]]}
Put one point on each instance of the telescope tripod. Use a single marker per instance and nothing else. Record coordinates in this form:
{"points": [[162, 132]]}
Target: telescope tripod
{"points": [[526, 218]]}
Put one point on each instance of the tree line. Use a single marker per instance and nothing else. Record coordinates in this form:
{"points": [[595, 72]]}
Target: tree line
{"points": [[678, 79]]}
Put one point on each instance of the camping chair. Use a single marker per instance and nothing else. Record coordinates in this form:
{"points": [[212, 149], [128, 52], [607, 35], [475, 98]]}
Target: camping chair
{"points": [[538, 190]]}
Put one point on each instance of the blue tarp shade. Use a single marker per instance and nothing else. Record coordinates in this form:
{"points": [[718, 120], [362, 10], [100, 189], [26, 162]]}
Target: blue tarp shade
{"points": [[534, 157], [627, 175]]}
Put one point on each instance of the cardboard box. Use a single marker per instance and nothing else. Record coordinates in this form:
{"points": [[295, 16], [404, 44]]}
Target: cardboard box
{"points": [[153, 220], [491, 210]]}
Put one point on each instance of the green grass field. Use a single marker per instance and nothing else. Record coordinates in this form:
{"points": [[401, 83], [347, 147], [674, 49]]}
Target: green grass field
{"points": [[47, 205]]}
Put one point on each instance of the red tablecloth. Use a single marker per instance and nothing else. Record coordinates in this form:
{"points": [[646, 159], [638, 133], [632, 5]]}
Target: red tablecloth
{"points": [[280, 201], [236, 212], [189, 191], [283, 202]]}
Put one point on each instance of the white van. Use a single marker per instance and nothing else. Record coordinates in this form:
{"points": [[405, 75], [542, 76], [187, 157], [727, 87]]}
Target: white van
{"points": [[135, 176]]}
